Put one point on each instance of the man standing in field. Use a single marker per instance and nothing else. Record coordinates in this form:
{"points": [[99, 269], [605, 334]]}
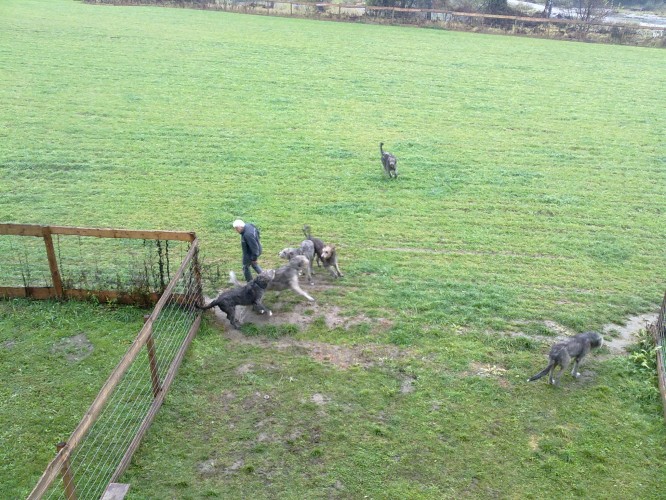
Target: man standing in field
{"points": [[250, 245]]}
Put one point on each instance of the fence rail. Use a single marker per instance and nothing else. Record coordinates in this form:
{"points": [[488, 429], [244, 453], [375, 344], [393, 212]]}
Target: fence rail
{"points": [[446, 19], [100, 448], [58, 287]]}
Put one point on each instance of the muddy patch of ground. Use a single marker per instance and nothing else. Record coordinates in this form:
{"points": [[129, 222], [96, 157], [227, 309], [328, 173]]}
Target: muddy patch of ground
{"points": [[7, 344], [619, 337], [73, 349], [616, 337], [407, 385], [485, 370], [302, 315]]}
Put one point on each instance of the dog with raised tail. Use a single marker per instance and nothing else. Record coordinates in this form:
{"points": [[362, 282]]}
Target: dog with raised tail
{"points": [[389, 162], [561, 354], [326, 255], [248, 295]]}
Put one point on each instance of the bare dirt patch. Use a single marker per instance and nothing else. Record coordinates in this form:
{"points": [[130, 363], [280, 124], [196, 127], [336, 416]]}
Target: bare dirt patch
{"points": [[619, 337], [407, 385], [320, 399], [303, 314], [616, 337], [73, 349], [485, 370], [7, 344]]}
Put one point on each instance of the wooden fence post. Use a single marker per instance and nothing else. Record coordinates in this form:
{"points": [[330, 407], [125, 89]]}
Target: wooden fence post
{"points": [[67, 477], [53, 262], [152, 361]]}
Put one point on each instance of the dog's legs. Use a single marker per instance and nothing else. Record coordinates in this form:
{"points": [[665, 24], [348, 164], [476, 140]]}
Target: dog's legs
{"points": [[231, 316], [296, 288], [263, 308], [551, 373], [574, 371], [308, 272], [566, 360]]}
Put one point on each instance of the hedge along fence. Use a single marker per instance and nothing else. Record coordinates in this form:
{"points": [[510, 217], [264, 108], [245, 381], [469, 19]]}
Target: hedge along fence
{"points": [[659, 332], [101, 447], [629, 34], [59, 262]]}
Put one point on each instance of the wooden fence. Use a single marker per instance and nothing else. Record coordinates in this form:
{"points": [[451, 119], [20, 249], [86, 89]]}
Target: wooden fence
{"points": [[57, 288], [445, 19], [101, 447]]}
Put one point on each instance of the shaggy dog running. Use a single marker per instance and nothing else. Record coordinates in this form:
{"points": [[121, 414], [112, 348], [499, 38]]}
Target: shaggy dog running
{"points": [[307, 250], [287, 277], [561, 354], [325, 254], [248, 295]]}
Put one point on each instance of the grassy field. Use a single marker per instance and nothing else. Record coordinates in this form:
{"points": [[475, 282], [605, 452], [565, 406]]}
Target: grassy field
{"points": [[532, 194]]}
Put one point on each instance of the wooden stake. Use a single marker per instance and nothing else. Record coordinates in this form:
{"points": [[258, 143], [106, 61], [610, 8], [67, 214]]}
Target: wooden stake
{"points": [[67, 477]]}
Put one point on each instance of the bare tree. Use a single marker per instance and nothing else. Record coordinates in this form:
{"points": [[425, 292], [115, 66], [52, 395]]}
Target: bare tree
{"points": [[590, 11]]}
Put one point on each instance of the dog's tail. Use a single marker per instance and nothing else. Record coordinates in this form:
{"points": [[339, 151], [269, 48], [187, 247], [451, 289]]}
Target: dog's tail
{"points": [[542, 373], [233, 280], [207, 306], [306, 232]]}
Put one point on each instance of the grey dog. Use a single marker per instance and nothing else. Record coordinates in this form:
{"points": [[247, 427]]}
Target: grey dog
{"points": [[562, 353], [318, 244], [389, 162], [325, 254], [287, 277], [307, 250], [248, 295]]}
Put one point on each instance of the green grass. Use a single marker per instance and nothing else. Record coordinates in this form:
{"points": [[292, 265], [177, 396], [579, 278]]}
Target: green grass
{"points": [[47, 383], [533, 176]]}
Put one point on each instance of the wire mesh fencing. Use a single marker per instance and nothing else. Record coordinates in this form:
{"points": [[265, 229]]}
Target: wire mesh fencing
{"points": [[100, 448], [132, 267]]}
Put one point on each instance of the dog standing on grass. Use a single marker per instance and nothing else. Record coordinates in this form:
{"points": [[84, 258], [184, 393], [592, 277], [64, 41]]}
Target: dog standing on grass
{"points": [[325, 254], [389, 162], [306, 249], [248, 295], [562, 353]]}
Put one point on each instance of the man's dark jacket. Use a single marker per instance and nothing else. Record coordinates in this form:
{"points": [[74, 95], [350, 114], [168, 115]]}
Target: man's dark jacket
{"points": [[250, 244]]}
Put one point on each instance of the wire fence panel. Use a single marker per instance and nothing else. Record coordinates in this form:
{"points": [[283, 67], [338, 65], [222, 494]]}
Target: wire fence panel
{"points": [[23, 262], [100, 448], [45, 262]]}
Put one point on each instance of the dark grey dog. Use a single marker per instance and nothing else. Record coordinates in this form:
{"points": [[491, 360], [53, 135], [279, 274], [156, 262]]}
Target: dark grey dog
{"points": [[307, 250], [389, 162], [287, 277], [561, 354], [248, 295]]}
